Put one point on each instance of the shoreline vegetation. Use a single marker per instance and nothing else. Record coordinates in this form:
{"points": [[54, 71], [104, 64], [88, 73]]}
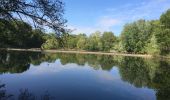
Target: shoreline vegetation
{"points": [[86, 52], [148, 38]]}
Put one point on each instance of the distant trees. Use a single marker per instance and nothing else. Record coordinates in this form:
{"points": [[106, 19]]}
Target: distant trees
{"points": [[94, 42], [108, 40], [82, 42], [147, 37], [140, 37], [71, 42], [50, 42]]}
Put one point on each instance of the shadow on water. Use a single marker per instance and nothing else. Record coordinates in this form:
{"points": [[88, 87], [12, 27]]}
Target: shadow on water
{"points": [[3, 94], [140, 72], [24, 94]]}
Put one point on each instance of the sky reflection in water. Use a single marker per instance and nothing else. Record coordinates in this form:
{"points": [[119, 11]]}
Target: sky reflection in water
{"points": [[83, 77]]}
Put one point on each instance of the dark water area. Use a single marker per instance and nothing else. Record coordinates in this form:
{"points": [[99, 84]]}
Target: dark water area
{"points": [[49, 76]]}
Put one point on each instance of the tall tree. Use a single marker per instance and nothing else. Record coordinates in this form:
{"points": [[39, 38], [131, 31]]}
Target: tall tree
{"points": [[108, 39], [72, 41], [163, 35], [94, 42], [152, 46], [135, 36], [40, 12], [51, 42], [82, 40]]}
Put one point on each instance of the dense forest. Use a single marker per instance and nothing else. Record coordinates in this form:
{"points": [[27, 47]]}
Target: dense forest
{"points": [[140, 37]]}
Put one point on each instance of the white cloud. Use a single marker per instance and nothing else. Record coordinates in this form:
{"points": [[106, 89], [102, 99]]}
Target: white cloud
{"points": [[103, 24], [113, 19], [108, 22], [149, 9], [88, 29], [50, 68], [82, 29]]}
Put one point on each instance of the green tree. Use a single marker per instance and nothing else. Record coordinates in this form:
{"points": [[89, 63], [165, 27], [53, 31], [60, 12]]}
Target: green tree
{"points": [[152, 47], [135, 36], [19, 36], [47, 13], [94, 42], [108, 40], [118, 47], [163, 35], [72, 42], [51, 42], [82, 40], [36, 39]]}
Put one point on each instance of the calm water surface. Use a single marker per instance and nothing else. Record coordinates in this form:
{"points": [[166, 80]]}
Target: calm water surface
{"points": [[40, 76]]}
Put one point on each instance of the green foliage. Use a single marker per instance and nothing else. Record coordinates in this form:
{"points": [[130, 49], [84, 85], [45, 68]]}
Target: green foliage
{"points": [[81, 43], [18, 34], [118, 47], [108, 40], [16, 62], [151, 73], [135, 36], [152, 47], [51, 42], [48, 13], [143, 37], [36, 38], [163, 36], [94, 42], [72, 42], [165, 19]]}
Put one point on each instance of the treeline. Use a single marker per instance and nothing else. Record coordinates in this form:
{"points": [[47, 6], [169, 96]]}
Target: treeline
{"points": [[95, 42], [142, 36]]}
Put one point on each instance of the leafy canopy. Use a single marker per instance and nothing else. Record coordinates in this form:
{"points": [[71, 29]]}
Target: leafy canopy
{"points": [[40, 13]]}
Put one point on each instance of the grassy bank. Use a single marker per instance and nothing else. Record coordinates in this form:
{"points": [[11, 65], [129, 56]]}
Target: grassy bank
{"points": [[80, 52], [85, 52]]}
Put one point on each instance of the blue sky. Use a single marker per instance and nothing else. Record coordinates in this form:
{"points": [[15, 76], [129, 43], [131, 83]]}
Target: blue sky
{"points": [[88, 16]]}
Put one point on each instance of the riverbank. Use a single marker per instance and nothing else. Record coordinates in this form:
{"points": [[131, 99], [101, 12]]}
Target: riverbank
{"points": [[84, 52]]}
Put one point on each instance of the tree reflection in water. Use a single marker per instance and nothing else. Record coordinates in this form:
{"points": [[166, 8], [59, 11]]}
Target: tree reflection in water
{"points": [[26, 95], [140, 72], [23, 95], [3, 94]]}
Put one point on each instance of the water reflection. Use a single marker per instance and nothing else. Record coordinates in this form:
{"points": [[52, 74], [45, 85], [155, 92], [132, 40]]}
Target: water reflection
{"points": [[17, 62], [23, 95], [3, 94], [139, 72]]}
